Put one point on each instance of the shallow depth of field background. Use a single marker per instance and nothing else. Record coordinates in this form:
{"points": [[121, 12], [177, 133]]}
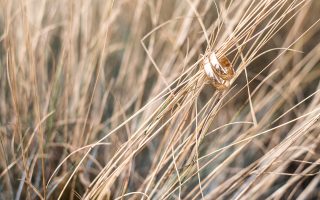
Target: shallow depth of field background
{"points": [[108, 99]]}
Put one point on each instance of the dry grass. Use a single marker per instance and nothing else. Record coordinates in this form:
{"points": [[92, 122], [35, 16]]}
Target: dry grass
{"points": [[109, 100]]}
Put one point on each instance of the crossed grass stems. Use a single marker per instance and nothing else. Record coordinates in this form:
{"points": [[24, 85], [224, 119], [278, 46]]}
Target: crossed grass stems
{"points": [[178, 124]]}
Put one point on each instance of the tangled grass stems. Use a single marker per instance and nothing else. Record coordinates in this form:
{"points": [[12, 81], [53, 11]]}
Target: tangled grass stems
{"points": [[109, 100]]}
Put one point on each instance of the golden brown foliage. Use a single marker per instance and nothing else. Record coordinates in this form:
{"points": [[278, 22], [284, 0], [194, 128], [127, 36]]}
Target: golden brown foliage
{"points": [[110, 100]]}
